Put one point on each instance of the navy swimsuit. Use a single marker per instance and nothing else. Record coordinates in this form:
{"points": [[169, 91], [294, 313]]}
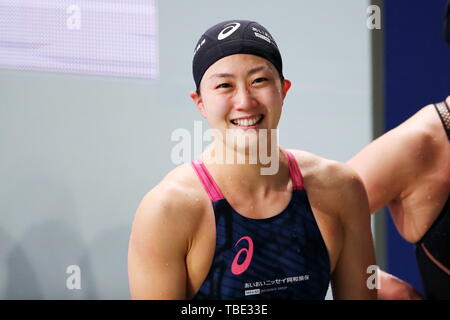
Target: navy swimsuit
{"points": [[281, 257]]}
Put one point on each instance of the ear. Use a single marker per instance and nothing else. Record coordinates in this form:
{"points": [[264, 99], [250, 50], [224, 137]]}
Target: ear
{"points": [[198, 101], [286, 87]]}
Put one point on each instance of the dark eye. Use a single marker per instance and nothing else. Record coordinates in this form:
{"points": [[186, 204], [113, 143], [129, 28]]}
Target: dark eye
{"points": [[223, 85], [259, 80]]}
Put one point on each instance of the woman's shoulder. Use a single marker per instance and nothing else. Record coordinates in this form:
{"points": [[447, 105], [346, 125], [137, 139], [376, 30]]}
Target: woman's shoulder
{"points": [[181, 180], [329, 182], [337, 197], [177, 196], [321, 170]]}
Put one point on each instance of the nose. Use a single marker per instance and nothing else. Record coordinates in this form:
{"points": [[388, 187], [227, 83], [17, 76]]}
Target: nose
{"points": [[244, 99]]}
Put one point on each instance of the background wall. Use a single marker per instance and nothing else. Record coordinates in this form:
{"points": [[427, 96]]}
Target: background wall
{"points": [[77, 153]]}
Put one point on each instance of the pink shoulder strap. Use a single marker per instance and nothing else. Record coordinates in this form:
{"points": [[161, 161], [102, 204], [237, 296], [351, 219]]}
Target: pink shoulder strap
{"points": [[214, 192], [207, 180], [294, 169]]}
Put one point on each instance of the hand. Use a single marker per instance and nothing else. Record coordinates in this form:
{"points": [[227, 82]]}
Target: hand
{"points": [[393, 288]]}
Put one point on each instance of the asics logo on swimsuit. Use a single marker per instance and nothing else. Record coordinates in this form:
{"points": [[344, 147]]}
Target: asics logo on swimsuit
{"points": [[236, 268], [228, 30]]}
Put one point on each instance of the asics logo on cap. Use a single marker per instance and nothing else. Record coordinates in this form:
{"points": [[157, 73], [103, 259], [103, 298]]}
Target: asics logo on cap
{"points": [[228, 30], [199, 46]]}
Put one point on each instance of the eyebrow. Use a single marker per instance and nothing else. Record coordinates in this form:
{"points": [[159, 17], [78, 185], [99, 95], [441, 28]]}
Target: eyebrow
{"points": [[230, 75]]}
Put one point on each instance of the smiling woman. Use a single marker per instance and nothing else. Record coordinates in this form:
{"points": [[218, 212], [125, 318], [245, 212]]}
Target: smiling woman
{"points": [[216, 230], [242, 100]]}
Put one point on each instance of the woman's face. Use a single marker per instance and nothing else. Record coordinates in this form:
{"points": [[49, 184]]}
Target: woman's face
{"points": [[241, 92]]}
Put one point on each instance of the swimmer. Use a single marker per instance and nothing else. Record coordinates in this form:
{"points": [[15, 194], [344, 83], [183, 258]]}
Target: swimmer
{"points": [[215, 229]]}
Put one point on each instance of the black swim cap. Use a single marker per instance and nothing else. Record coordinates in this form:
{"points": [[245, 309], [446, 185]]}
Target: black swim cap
{"points": [[232, 37]]}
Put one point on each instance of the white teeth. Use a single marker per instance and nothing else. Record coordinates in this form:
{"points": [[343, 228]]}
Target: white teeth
{"points": [[247, 122]]}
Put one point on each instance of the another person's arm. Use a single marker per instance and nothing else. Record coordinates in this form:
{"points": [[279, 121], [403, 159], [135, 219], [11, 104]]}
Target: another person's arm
{"points": [[395, 160], [387, 166], [383, 168], [393, 288]]}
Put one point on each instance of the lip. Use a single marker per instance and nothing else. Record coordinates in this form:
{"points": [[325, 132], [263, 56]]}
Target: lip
{"points": [[256, 126]]}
